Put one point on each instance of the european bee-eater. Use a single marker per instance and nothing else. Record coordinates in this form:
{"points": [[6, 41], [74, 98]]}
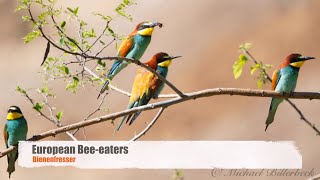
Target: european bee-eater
{"points": [[146, 85], [284, 80], [15, 130], [132, 47]]}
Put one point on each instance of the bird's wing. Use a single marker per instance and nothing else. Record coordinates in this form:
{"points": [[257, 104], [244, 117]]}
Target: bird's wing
{"points": [[5, 135], [275, 79], [147, 88], [135, 94], [136, 88], [142, 91], [126, 46]]}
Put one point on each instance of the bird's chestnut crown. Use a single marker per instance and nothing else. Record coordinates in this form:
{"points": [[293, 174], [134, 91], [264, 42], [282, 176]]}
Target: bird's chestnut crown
{"points": [[297, 60]]}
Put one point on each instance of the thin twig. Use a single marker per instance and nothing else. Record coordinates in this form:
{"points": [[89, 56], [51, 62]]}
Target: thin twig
{"points": [[100, 36], [52, 119], [95, 111], [104, 47], [143, 132]]}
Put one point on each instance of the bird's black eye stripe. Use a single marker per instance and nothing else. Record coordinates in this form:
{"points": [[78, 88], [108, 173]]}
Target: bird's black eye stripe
{"points": [[143, 27]]}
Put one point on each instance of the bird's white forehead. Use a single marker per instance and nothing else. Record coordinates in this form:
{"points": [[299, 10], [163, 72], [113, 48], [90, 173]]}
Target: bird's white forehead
{"points": [[147, 23], [13, 108]]}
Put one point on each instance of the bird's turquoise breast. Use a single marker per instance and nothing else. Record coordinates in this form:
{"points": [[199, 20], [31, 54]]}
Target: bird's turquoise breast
{"points": [[17, 131], [163, 71], [288, 79], [140, 45]]}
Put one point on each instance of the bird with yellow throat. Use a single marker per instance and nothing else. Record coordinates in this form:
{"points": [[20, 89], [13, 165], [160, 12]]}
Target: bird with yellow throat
{"points": [[15, 130], [147, 85], [284, 80], [132, 47]]}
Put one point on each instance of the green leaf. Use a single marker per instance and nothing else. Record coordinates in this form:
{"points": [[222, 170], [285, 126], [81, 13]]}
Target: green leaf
{"points": [[98, 68], [63, 24], [73, 85], [45, 90], [59, 115], [38, 107], [268, 66], [238, 65], [31, 36], [63, 69], [88, 34], [66, 70], [61, 41], [260, 83], [103, 43], [178, 175], [26, 2], [245, 46], [43, 15], [120, 9], [20, 8], [254, 68], [39, 1], [95, 79], [76, 10], [103, 17], [111, 32], [75, 42], [26, 18], [20, 90], [83, 23], [71, 10], [100, 62]]}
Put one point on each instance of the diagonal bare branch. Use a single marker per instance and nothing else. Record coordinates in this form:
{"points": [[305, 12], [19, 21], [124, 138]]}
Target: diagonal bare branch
{"points": [[143, 132]]}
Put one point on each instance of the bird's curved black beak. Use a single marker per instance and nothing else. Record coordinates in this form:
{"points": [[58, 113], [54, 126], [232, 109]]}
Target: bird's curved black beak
{"points": [[156, 24], [305, 58]]}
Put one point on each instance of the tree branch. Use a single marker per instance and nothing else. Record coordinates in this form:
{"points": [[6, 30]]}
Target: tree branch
{"points": [[170, 102], [164, 80]]}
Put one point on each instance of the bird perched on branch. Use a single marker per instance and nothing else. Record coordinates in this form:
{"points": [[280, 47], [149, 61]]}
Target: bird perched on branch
{"points": [[146, 84], [132, 47], [15, 130], [284, 80]]}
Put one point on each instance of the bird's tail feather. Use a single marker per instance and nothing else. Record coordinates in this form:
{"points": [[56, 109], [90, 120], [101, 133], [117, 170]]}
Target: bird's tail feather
{"points": [[130, 105], [128, 118], [134, 117], [11, 163], [114, 66], [272, 111], [121, 122], [104, 88]]}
